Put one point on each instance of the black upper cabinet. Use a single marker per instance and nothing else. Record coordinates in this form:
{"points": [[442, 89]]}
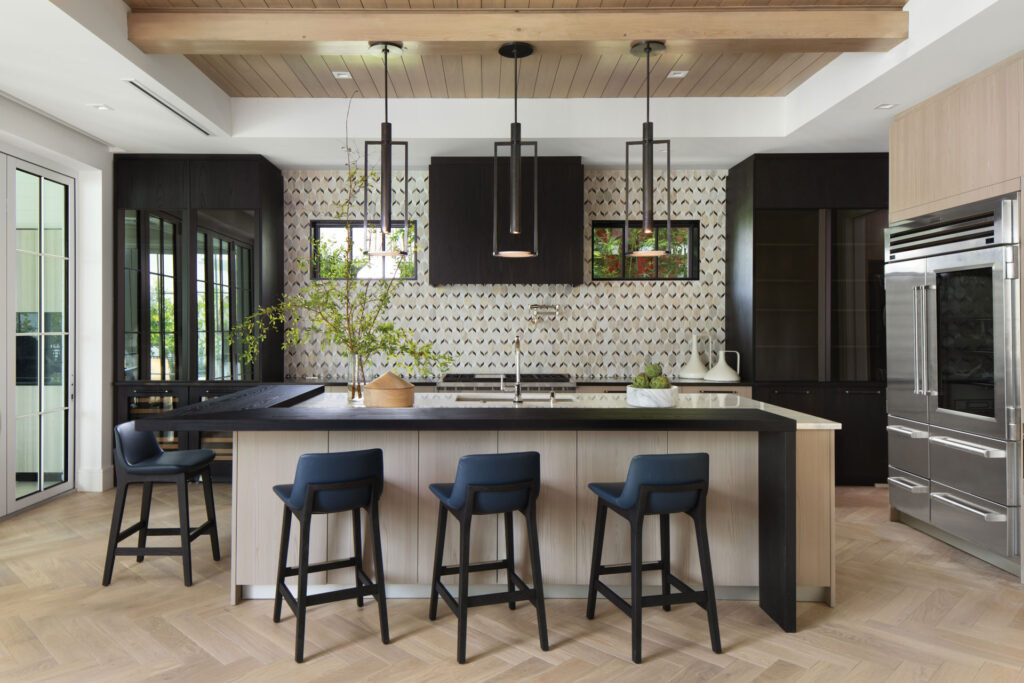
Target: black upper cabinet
{"points": [[804, 266], [462, 220], [150, 182]]}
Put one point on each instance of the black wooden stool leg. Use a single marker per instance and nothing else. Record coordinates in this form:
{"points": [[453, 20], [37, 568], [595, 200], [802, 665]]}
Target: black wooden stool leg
{"points": [[300, 598], [665, 555], [538, 581], [464, 526], [378, 574], [704, 552], [357, 545], [115, 531], [595, 562], [186, 544], [211, 514], [147, 499], [282, 563], [442, 522], [636, 528], [510, 558]]}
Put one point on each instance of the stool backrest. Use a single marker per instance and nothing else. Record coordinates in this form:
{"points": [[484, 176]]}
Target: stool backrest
{"points": [[665, 469], [492, 469], [132, 446], [337, 468]]}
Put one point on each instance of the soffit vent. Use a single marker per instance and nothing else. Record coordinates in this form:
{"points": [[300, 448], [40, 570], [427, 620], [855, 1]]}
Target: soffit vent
{"points": [[156, 98]]}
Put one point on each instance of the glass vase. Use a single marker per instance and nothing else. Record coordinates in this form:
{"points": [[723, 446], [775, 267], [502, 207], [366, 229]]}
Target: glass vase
{"points": [[355, 379]]}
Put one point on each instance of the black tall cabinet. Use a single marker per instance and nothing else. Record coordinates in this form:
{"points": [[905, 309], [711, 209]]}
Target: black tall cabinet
{"points": [[199, 245], [805, 297]]}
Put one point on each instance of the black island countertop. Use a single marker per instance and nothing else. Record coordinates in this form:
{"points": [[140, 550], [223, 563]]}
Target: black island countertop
{"points": [[291, 408]]}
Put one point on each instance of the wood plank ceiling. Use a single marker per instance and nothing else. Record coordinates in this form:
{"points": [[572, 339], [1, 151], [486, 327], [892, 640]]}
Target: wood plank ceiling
{"points": [[710, 74]]}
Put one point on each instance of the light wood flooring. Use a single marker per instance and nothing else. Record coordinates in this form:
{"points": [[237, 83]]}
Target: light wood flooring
{"points": [[909, 608]]}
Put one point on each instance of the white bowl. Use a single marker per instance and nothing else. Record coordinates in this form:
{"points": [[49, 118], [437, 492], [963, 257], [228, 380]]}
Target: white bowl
{"points": [[652, 398]]}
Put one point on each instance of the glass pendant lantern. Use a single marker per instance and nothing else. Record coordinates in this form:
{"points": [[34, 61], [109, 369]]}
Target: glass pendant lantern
{"points": [[647, 149], [515, 247], [387, 145]]}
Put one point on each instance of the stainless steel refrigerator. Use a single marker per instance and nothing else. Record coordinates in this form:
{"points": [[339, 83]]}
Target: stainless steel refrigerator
{"points": [[953, 394]]}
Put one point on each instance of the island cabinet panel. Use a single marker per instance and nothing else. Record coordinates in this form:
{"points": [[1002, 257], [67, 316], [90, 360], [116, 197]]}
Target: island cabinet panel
{"points": [[815, 511], [270, 459], [399, 512], [600, 457], [556, 506], [962, 145], [732, 510], [439, 454]]}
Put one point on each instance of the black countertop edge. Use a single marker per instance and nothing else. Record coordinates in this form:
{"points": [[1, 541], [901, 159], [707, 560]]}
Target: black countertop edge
{"points": [[262, 397], [233, 418]]}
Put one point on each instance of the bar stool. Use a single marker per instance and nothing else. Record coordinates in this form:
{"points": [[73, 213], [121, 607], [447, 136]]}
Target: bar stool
{"points": [[326, 483], [494, 483], [138, 459], [655, 485]]}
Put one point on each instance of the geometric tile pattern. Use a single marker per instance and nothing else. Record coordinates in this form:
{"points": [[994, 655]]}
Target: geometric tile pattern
{"points": [[605, 329]]}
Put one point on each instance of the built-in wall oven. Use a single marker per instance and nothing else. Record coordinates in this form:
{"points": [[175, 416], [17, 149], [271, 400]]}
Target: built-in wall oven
{"points": [[953, 394]]}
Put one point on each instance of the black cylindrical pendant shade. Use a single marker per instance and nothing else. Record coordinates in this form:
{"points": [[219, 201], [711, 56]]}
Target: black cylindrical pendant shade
{"points": [[515, 175], [385, 177], [514, 245], [648, 178]]}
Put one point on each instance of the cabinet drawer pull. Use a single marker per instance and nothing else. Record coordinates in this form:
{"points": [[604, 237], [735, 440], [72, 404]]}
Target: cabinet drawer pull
{"points": [[794, 392], [908, 484], [907, 431], [716, 391], [987, 515], [973, 449]]}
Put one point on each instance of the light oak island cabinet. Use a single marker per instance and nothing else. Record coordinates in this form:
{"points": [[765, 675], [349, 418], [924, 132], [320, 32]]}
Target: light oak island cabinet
{"points": [[962, 145]]}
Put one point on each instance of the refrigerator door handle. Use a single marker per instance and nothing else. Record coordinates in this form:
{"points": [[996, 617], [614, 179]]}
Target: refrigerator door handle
{"points": [[973, 449], [917, 343], [987, 515]]}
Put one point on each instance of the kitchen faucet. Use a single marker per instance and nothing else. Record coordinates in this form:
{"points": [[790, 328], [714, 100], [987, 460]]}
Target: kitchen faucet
{"points": [[518, 397]]}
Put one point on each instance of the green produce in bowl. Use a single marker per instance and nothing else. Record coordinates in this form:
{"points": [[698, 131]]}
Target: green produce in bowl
{"points": [[652, 370], [641, 382], [660, 382]]}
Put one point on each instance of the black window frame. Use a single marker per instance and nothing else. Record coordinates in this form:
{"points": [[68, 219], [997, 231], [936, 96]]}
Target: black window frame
{"points": [[248, 370], [317, 224], [692, 226]]}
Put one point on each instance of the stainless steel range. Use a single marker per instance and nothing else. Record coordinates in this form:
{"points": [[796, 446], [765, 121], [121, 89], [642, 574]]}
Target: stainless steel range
{"points": [[506, 382]]}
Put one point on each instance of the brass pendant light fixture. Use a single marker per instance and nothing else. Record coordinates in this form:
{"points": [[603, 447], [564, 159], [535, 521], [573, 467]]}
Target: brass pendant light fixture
{"points": [[645, 49], [515, 51], [386, 144]]}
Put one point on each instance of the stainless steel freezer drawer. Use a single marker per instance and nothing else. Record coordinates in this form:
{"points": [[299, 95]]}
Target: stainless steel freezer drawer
{"points": [[976, 520], [983, 467], [909, 493], [908, 445]]}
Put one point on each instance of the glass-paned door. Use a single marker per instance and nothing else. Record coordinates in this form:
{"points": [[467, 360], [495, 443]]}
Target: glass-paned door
{"points": [[38, 346]]}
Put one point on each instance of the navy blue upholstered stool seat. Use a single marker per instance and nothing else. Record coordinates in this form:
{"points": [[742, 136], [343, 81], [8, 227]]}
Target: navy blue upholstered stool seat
{"points": [[138, 459], [655, 485], [326, 483], [495, 483]]}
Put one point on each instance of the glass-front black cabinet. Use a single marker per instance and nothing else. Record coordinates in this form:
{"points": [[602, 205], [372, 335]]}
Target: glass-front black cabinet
{"points": [[199, 246]]}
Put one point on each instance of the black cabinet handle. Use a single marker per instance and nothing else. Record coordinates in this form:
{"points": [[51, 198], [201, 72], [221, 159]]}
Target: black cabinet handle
{"points": [[862, 392], [791, 392]]}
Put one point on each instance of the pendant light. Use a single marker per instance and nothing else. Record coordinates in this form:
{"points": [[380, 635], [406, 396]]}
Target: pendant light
{"points": [[386, 145], [515, 51], [645, 49]]}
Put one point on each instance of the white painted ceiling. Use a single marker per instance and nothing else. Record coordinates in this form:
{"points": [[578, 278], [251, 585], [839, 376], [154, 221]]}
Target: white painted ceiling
{"points": [[60, 57]]}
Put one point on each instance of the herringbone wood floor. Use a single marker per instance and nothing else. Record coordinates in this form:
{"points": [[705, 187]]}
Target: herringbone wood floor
{"points": [[910, 608]]}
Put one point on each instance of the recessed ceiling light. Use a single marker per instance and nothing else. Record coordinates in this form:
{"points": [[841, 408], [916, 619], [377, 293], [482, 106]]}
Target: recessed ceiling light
{"points": [[886, 106], [677, 74], [101, 107], [342, 74]]}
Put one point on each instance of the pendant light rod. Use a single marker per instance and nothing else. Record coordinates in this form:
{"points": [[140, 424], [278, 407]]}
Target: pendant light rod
{"points": [[515, 51]]}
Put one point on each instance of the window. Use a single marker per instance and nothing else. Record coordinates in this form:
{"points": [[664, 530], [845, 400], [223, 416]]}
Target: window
{"points": [[335, 233], [163, 351], [610, 263]]}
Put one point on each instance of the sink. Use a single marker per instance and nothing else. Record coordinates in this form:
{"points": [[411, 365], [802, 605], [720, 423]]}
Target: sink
{"points": [[535, 400]]}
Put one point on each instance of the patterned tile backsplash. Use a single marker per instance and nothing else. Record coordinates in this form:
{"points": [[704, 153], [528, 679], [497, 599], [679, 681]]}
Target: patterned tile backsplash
{"points": [[603, 330]]}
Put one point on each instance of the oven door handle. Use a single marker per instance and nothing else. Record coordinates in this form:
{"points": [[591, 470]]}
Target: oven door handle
{"points": [[978, 511], [973, 449]]}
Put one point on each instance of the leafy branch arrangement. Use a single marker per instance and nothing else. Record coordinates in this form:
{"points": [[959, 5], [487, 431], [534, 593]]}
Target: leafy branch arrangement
{"points": [[342, 309]]}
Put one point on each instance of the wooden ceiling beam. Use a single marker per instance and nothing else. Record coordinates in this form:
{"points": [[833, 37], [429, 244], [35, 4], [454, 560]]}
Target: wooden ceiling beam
{"points": [[481, 31]]}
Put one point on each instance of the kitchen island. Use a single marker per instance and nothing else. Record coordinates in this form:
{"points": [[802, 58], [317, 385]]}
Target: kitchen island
{"points": [[770, 504]]}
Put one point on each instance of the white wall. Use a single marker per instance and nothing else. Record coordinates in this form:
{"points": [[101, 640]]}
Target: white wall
{"points": [[31, 136]]}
